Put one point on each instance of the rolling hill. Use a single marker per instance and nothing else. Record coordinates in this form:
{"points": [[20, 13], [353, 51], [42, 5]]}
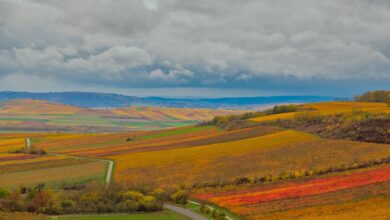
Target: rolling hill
{"points": [[38, 115], [110, 100]]}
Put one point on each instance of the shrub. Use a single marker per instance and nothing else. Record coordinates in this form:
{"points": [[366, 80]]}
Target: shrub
{"points": [[309, 117], [160, 195], [67, 203], [241, 180], [130, 206], [3, 193], [180, 197], [284, 109], [133, 195], [149, 203]]}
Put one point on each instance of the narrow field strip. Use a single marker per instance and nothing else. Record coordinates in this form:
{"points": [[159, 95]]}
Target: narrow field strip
{"points": [[54, 162]]}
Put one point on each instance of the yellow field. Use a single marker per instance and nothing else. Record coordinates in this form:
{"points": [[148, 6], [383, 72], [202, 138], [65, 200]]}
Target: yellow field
{"points": [[57, 174], [329, 108], [346, 105], [11, 144], [269, 154], [274, 117]]}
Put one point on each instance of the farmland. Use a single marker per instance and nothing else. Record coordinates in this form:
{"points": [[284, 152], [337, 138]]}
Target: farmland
{"points": [[55, 175], [333, 195], [257, 171], [328, 108], [36, 115]]}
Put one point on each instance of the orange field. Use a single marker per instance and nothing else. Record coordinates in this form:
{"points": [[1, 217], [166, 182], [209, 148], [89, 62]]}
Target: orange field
{"points": [[269, 154]]}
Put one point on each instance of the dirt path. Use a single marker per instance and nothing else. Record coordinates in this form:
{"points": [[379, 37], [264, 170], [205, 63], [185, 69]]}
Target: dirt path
{"points": [[109, 172], [210, 207], [185, 212]]}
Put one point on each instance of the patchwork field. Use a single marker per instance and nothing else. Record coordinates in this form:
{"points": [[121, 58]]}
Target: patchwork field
{"points": [[36, 115], [333, 197], [256, 171]]}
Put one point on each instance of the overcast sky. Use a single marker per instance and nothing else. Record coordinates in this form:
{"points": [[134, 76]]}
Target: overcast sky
{"points": [[196, 48]]}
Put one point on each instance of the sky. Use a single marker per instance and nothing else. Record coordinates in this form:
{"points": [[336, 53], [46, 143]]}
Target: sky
{"points": [[202, 48]]}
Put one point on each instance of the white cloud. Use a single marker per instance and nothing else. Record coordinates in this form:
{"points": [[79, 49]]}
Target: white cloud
{"points": [[195, 43]]}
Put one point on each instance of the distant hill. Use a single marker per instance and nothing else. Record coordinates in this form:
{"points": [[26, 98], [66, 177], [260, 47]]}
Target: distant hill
{"points": [[40, 115], [110, 100]]}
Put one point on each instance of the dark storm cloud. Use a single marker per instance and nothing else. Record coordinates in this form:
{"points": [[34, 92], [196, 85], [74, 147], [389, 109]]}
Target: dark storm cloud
{"points": [[257, 44]]}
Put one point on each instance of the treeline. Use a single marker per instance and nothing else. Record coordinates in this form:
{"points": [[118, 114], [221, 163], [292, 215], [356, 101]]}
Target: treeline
{"points": [[374, 96], [95, 198], [31, 150], [354, 125], [232, 122], [295, 174]]}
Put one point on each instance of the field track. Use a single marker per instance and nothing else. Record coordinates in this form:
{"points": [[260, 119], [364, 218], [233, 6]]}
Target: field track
{"points": [[185, 212]]}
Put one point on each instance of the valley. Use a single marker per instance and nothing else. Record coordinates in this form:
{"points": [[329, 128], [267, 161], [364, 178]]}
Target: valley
{"points": [[262, 165]]}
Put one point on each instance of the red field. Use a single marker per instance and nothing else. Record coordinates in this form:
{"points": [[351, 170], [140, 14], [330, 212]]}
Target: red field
{"points": [[268, 199], [317, 186]]}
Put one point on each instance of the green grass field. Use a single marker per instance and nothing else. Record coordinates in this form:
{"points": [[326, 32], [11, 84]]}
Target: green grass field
{"points": [[176, 132], [82, 119], [165, 215], [195, 207]]}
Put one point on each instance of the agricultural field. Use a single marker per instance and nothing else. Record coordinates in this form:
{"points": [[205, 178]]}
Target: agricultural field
{"points": [[328, 108], [56, 175], [36, 115], [333, 197], [302, 174], [269, 154]]}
